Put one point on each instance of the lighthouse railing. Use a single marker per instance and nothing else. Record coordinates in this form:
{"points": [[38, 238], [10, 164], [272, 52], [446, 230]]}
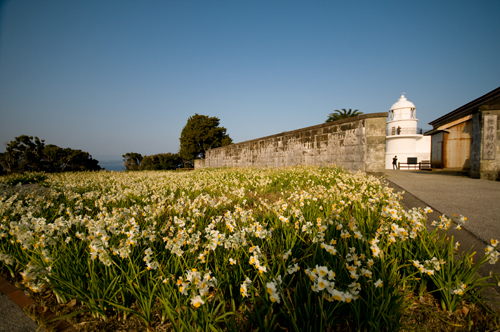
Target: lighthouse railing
{"points": [[393, 131]]}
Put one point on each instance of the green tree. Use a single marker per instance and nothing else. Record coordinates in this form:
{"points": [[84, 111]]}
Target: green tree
{"points": [[162, 161], [78, 160], [68, 160], [344, 114], [3, 171], [29, 154], [54, 157], [132, 161], [24, 153], [201, 133], [150, 163]]}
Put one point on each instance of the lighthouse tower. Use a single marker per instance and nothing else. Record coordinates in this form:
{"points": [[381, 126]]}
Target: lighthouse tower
{"points": [[403, 138]]}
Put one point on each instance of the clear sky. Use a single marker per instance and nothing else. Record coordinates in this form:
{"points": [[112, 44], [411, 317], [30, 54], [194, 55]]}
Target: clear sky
{"points": [[111, 77]]}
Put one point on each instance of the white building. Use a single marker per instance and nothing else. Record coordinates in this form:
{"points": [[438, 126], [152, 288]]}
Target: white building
{"points": [[402, 138]]}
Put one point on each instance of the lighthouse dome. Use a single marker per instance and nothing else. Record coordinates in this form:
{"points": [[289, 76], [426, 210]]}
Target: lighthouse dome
{"points": [[402, 103]]}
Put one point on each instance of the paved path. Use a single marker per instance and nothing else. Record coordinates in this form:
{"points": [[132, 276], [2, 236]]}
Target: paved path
{"points": [[13, 318], [478, 200]]}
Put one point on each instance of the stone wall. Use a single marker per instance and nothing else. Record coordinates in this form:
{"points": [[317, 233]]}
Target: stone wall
{"points": [[357, 143]]}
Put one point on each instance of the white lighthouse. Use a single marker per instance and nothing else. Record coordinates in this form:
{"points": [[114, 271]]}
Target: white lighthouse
{"points": [[402, 138]]}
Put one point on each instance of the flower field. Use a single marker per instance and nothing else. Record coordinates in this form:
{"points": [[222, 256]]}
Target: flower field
{"points": [[297, 249]]}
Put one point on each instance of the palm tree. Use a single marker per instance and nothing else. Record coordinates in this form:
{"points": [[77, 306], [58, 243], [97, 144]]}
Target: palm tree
{"points": [[344, 114]]}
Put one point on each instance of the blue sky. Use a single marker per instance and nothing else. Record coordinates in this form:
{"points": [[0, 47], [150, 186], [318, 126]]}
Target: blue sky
{"points": [[111, 77]]}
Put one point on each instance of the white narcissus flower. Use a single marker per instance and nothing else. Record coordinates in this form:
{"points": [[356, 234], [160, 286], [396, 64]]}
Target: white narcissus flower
{"points": [[322, 270], [460, 289], [197, 301], [331, 250], [348, 297], [378, 283], [322, 283], [286, 254], [184, 288], [243, 290], [293, 268], [271, 287], [244, 287], [275, 297]]}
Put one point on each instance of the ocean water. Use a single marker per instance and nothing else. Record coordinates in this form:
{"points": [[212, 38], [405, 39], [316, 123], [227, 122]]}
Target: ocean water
{"points": [[112, 165]]}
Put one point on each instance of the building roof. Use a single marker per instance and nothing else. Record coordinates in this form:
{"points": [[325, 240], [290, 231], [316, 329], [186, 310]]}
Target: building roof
{"points": [[402, 103], [466, 109]]}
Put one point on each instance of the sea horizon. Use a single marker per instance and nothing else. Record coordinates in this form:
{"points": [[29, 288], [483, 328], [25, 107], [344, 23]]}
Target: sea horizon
{"points": [[112, 165]]}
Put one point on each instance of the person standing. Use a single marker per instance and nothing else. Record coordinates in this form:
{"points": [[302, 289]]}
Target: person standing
{"points": [[395, 162]]}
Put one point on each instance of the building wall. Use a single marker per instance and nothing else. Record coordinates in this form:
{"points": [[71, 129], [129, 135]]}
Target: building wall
{"points": [[356, 143], [407, 146], [424, 146], [462, 145], [475, 147], [457, 150], [482, 165], [469, 138], [401, 144], [437, 150]]}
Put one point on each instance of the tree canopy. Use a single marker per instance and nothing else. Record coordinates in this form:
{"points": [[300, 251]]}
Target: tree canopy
{"points": [[24, 153], [132, 161], [30, 154], [344, 114], [201, 133], [162, 161]]}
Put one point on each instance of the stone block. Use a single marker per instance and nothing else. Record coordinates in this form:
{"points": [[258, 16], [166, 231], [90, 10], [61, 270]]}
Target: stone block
{"points": [[375, 140]]}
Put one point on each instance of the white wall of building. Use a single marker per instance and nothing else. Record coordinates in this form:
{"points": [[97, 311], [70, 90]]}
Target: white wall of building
{"points": [[402, 139], [424, 146]]}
